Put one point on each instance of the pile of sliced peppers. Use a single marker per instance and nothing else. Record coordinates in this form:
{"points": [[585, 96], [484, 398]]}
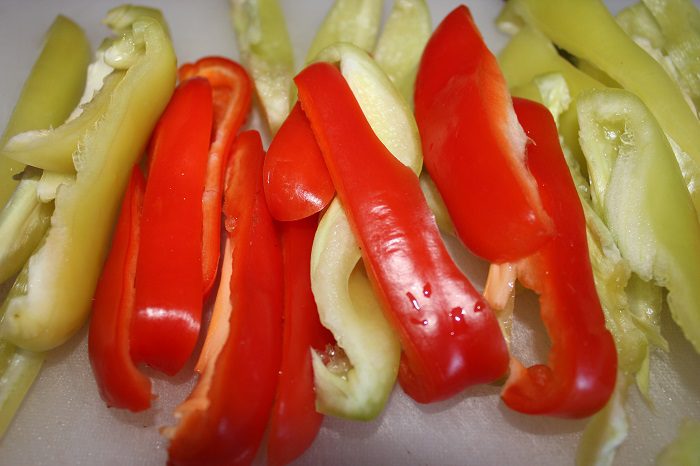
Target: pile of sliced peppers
{"points": [[582, 187]]}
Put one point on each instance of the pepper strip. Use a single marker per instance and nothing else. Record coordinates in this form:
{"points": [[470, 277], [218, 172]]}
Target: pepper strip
{"points": [[449, 336], [63, 272], [169, 282], [580, 374], [120, 383], [223, 420], [231, 91], [473, 146], [295, 422], [265, 49], [50, 92]]}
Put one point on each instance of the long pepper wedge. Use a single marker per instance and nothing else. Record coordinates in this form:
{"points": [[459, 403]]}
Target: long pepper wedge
{"points": [[231, 91], [168, 300], [580, 374], [224, 419], [449, 336], [63, 272], [295, 422], [50, 93], [120, 382], [473, 146], [297, 183]]}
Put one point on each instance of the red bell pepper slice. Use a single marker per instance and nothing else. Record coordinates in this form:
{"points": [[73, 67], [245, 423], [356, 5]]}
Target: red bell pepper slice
{"points": [[449, 335], [473, 147], [120, 383], [231, 91], [295, 422], [297, 183], [582, 367], [224, 419], [168, 298]]}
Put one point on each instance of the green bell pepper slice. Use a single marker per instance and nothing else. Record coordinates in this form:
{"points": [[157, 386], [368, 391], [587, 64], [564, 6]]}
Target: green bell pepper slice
{"points": [[50, 93], [401, 43], [349, 21], [345, 301], [63, 272], [266, 51], [638, 189]]}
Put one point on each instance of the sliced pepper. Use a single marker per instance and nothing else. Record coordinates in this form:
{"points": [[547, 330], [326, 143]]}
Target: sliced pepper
{"points": [[449, 336], [223, 420], [120, 383], [50, 93], [353, 22], [473, 146], [231, 93], [297, 183], [63, 272], [357, 377], [580, 374], [295, 422], [168, 279], [638, 190], [266, 51]]}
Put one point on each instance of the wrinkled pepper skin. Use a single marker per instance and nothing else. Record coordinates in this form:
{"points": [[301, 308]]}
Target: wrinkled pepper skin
{"points": [[580, 374], [450, 337], [473, 146], [168, 298], [120, 383], [240, 384]]}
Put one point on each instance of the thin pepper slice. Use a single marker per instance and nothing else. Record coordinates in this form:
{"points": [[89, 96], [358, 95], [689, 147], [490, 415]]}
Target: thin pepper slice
{"points": [[231, 93], [223, 420], [449, 336], [168, 298], [580, 374], [638, 190], [266, 51], [63, 272], [297, 183], [120, 383], [50, 93], [295, 422], [473, 146]]}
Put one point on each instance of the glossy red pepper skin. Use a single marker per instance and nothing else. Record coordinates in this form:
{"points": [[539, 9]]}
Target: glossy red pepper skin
{"points": [[582, 366], [168, 299], [449, 335], [294, 422], [473, 147], [120, 383], [297, 183], [231, 93], [241, 388]]}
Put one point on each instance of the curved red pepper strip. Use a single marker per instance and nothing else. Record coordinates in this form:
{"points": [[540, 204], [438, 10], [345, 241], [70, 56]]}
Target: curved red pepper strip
{"points": [[449, 335], [231, 91], [581, 371], [295, 422], [240, 390], [121, 384], [473, 147], [168, 300], [297, 183]]}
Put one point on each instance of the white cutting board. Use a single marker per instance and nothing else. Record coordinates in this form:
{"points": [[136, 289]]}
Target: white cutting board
{"points": [[64, 422]]}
